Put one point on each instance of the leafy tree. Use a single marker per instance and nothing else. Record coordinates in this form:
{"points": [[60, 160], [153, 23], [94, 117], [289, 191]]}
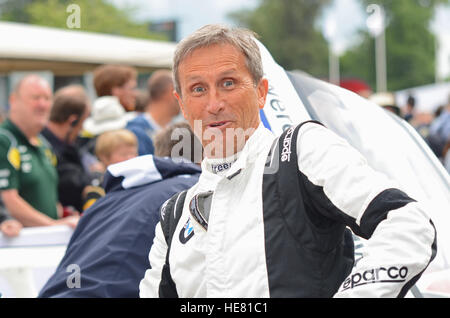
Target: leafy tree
{"points": [[410, 45], [13, 10], [287, 29], [96, 16]]}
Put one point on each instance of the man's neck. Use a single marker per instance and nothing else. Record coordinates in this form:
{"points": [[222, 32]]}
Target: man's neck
{"points": [[58, 130], [26, 130]]}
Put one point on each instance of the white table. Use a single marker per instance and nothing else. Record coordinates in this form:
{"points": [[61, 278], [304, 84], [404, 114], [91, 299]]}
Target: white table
{"points": [[27, 261]]}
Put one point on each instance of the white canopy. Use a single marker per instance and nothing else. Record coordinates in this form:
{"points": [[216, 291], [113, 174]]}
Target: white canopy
{"points": [[428, 97], [69, 51]]}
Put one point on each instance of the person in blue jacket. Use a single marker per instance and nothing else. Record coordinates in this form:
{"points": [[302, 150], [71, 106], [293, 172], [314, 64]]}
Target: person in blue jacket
{"points": [[108, 252], [161, 111]]}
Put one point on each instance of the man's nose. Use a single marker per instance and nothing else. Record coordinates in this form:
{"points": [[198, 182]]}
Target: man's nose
{"points": [[44, 102], [216, 103]]}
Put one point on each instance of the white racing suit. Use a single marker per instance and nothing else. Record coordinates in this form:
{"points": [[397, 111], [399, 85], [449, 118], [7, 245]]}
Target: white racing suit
{"points": [[250, 250]]}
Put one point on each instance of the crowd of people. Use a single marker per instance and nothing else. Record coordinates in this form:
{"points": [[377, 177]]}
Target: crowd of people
{"points": [[433, 127], [54, 148], [162, 227]]}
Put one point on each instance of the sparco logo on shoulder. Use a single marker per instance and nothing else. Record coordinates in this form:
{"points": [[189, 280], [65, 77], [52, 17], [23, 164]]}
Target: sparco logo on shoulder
{"points": [[377, 275], [286, 151]]}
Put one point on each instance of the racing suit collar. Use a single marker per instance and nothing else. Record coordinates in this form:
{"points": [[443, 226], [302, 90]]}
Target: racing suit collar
{"points": [[232, 164]]}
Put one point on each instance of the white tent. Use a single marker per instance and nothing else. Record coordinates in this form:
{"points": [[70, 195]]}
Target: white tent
{"points": [[428, 97], [69, 52]]}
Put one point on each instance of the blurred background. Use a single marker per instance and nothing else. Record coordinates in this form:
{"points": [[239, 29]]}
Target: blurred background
{"points": [[394, 53], [368, 46]]}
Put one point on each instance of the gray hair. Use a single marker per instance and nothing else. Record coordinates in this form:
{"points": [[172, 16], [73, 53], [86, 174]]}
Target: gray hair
{"points": [[28, 77], [178, 141], [211, 34]]}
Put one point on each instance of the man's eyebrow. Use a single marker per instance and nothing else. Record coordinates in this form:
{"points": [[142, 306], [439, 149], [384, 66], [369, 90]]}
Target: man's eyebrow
{"points": [[193, 78], [228, 72]]}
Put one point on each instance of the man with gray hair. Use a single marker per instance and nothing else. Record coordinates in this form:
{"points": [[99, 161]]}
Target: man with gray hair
{"points": [[268, 216]]}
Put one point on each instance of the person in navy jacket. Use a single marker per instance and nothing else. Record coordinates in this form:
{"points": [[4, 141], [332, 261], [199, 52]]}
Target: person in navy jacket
{"points": [[108, 253]]}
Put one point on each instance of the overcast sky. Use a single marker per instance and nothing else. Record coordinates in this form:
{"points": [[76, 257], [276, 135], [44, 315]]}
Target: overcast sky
{"points": [[192, 14]]}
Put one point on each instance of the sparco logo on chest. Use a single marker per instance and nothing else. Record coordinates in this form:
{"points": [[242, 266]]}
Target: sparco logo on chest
{"points": [[286, 151]]}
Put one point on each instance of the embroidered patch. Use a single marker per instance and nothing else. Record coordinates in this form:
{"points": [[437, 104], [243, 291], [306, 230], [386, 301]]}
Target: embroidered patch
{"points": [[187, 232], [14, 157], [221, 167]]}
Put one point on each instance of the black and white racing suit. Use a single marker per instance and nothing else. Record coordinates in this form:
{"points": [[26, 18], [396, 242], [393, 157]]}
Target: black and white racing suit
{"points": [[244, 252]]}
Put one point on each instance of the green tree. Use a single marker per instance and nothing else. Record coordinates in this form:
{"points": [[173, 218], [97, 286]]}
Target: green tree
{"points": [[287, 29], [410, 45], [14, 10], [96, 16]]}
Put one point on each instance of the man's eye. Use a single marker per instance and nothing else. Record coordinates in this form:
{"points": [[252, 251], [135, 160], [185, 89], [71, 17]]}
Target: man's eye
{"points": [[198, 89], [228, 83]]}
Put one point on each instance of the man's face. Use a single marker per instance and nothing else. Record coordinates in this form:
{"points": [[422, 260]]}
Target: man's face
{"points": [[219, 98], [32, 104], [126, 94]]}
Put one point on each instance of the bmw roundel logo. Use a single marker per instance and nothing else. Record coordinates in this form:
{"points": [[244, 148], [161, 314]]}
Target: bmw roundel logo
{"points": [[186, 232]]}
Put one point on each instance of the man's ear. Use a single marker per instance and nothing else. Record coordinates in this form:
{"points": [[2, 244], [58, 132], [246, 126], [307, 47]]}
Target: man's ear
{"points": [[263, 89], [180, 103], [12, 98], [74, 120]]}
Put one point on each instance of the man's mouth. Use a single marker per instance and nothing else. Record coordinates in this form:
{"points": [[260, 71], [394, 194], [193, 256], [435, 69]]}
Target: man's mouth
{"points": [[217, 124]]}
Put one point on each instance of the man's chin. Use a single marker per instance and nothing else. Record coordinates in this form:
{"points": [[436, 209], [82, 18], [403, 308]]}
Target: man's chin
{"points": [[221, 149], [40, 126], [222, 143]]}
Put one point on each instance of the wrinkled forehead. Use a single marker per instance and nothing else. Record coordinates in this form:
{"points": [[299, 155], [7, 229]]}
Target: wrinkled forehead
{"points": [[214, 58], [229, 46]]}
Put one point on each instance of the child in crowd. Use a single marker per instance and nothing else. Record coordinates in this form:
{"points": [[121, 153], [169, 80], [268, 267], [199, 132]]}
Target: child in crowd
{"points": [[115, 146]]}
